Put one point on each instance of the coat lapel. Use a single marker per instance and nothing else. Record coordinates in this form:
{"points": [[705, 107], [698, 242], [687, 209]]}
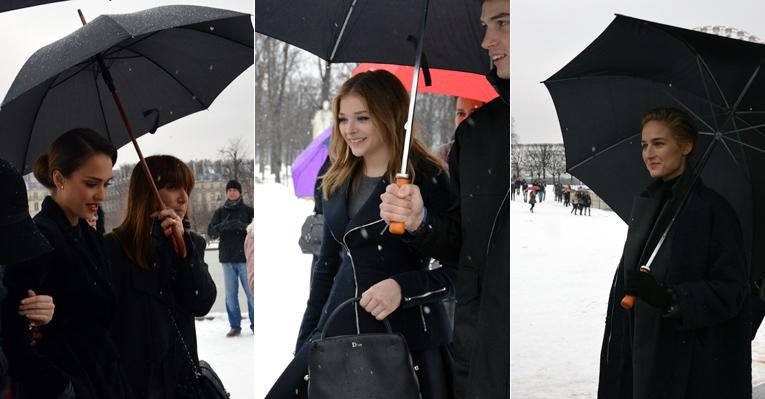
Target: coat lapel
{"points": [[644, 211], [336, 209]]}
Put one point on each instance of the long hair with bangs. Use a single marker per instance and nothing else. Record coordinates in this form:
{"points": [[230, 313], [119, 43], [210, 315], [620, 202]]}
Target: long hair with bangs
{"points": [[387, 102], [134, 233]]}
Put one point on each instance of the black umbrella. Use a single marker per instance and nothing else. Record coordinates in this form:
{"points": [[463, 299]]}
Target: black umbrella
{"points": [[636, 65], [167, 62], [8, 5], [402, 32], [379, 31]]}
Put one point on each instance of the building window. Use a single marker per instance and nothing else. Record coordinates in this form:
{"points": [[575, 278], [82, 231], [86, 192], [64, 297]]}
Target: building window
{"points": [[37, 204]]}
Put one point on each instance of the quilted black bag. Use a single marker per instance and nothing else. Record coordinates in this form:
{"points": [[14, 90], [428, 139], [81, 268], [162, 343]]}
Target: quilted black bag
{"points": [[369, 366]]}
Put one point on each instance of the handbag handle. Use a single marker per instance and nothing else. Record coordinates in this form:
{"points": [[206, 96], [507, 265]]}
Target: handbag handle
{"points": [[337, 310]]}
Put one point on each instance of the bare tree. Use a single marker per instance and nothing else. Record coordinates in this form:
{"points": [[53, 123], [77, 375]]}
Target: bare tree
{"points": [[557, 162], [539, 159], [233, 156], [517, 151]]}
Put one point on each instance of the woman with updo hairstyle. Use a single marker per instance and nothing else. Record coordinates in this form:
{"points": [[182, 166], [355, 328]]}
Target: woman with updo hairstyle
{"points": [[359, 257], [74, 355], [683, 329], [156, 289]]}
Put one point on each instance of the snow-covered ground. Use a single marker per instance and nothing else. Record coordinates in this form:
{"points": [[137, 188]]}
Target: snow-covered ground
{"points": [[231, 358], [561, 271], [282, 275]]}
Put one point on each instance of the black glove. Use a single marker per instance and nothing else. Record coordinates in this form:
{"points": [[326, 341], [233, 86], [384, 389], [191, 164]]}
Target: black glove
{"points": [[644, 286]]}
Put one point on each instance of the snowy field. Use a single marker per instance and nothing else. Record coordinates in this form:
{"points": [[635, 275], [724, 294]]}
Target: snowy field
{"points": [[231, 358], [282, 275], [561, 270]]}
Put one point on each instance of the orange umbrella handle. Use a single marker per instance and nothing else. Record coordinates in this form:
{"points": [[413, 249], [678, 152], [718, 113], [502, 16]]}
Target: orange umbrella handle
{"points": [[399, 228], [628, 302]]}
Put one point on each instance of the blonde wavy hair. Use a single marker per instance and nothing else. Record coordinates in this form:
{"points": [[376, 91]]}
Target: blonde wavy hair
{"points": [[387, 102]]}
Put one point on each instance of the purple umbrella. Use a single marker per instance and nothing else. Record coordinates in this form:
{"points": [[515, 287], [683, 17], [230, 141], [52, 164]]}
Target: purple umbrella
{"points": [[306, 167]]}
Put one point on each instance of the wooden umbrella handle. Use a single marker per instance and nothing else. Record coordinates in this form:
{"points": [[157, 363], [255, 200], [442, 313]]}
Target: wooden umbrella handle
{"points": [[628, 302], [399, 228], [179, 246]]}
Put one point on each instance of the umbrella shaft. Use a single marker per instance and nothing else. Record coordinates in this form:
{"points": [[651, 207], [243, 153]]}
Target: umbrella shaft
{"points": [[413, 95]]}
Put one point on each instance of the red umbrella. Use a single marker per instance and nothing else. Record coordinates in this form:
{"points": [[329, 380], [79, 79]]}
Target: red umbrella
{"points": [[450, 83]]}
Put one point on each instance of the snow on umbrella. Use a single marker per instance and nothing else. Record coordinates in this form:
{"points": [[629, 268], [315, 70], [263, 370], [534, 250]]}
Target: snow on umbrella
{"points": [[306, 167], [167, 61], [394, 31], [635, 66]]}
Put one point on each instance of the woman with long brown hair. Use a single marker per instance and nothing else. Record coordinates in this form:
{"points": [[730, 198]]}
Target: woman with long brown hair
{"points": [[156, 289], [359, 257]]}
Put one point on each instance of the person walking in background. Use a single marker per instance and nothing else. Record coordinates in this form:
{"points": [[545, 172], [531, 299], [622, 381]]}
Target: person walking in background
{"points": [[524, 190], [688, 333], [359, 257], [575, 201], [567, 195], [542, 190], [155, 288], [229, 222], [73, 356], [586, 203], [532, 199]]}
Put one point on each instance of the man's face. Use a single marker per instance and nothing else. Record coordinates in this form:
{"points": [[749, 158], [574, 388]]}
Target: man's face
{"points": [[233, 194], [495, 17]]}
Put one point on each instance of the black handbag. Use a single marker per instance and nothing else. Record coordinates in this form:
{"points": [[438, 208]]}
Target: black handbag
{"points": [[203, 383], [369, 366]]}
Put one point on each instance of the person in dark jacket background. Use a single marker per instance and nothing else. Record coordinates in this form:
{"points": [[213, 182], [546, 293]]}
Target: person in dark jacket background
{"points": [[476, 229], [73, 356], [688, 334], [152, 282], [229, 222], [359, 257]]}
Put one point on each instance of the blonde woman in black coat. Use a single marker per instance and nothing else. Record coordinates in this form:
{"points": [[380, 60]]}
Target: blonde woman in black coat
{"points": [[688, 334], [359, 257]]}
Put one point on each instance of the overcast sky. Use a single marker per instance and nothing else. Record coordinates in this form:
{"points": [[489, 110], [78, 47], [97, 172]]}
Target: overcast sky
{"points": [[195, 136], [547, 34]]}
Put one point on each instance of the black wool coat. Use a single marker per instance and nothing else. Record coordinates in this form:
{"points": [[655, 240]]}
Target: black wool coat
{"points": [[361, 252], [230, 224], [476, 233], [76, 346], [703, 350], [152, 354]]}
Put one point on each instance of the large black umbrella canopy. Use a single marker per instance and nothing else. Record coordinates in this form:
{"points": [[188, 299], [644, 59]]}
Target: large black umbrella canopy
{"points": [[378, 31], [166, 63], [8, 5], [636, 65]]}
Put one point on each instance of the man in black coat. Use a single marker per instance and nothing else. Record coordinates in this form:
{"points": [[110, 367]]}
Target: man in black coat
{"points": [[475, 231], [230, 224]]}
